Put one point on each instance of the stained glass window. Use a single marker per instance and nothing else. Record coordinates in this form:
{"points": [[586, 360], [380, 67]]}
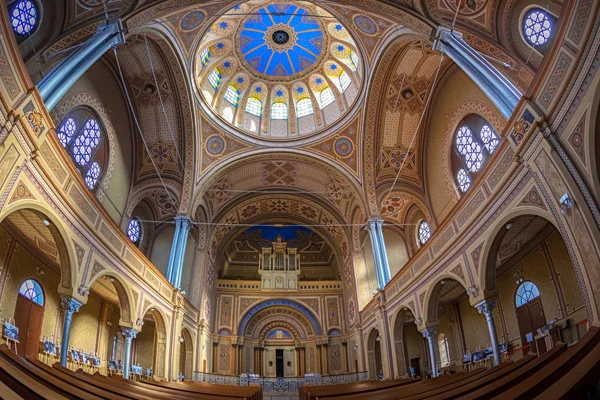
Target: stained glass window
{"points": [[279, 111], [526, 292], [134, 230], [474, 142], [304, 107], [24, 17], [354, 58], [424, 232], [32, 290], [86, 142], [344, 81], [464, 181], [66, 131], [205, 56], [327, 97], [232, 95], [82, 135], [537, 27], [254, 106], [215, 78], [92, 175]]}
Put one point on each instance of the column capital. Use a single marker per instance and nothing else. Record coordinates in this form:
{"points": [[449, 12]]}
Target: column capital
{"points": [[486, 306], [429, 333], [129, 333], [441, 35], [70, 304]]}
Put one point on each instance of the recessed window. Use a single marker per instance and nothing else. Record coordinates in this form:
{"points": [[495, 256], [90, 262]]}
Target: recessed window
{"points": [[526, 292], [345, 81], [424, 232], [215, 78], [327, 97], [83, 137], [32, 290], [279, 111], [134, 230], [205, 56], [232, 95], [254, 106], [304, 107], [537, 27], [474, 142], [24, 17]]}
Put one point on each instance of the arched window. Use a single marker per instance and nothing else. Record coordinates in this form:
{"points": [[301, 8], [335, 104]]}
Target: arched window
{"points": [[327, 97], [215, 78], [24, 17], [32, 290], [304, 107], [205, 56], [254, 106], [424, 232], [134, 230], [83, 136], [232, 95], [444, 349], [526, 292], [279, 111], [474, 142], [537, 27]]}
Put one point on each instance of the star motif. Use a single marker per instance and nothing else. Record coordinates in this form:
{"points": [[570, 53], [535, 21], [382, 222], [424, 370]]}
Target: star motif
{"points": [[339, 27], [227, 64], [300, 90], [220, 45], [223, 25], [240, 80], [319, 81], [258, 89], [333, 67], [279, 93], [340, 48]]}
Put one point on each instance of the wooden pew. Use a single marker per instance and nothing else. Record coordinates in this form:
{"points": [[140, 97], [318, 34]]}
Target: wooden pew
{"points": [[321, 392], [414, 389], [575, 383], [249, 392], [48, 380], [493, 374], [502, 384], [555, 369]]}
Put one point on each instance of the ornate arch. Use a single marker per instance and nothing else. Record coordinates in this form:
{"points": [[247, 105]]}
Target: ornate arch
{"points": [[127, 305], [299, 310]]}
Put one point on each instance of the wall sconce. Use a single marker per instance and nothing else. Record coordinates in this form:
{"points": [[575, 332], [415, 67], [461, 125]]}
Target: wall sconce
{"points": [[472, 291], [356, 346], [181, 339], [39, 271], [566, 203], [518, 277], [378, 338], [418, 321], [139, 322]]}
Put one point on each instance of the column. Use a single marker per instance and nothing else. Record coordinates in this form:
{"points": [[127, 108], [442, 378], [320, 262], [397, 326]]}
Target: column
{"points": [[319, 360], [129, 334], [176, 258], [486, 308], [56, 84], [345, 355], [298, 361], [382, 268], [325, 359], [496, 86], [214, 358], [429, 334], [71, 306]]}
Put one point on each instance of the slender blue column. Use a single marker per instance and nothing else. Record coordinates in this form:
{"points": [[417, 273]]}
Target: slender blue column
{"points": [[184, 229], [54, 85], [129, 334], [486, 308], [173, 255], [429, 334], [385, 264], [71, 306], [492, 82], [377, 254]]}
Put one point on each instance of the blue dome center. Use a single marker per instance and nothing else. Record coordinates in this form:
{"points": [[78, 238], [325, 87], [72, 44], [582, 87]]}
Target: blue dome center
{"points": [[281, 40]]}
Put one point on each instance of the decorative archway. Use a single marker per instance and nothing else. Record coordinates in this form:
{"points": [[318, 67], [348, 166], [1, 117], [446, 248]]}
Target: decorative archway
{"points": [[374, 354], [254, 321]]}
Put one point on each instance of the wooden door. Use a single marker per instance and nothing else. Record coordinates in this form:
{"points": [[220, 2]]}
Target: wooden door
{"points": [[530, 317], [29, 317]]}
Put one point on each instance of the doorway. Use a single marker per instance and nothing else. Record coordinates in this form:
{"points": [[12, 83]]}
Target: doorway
{"points": [[530, 315], [29, 317], [415, 366], [279, 363]]}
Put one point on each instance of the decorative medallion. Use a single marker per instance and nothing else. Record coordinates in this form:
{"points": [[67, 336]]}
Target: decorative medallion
{"points": [[215, 145], [192, 20], [343, 147], [365, 24]]}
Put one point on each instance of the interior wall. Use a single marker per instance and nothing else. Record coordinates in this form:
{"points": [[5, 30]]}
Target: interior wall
{"points": [[188, 265], [370, 268], [161, 249], [85, 326], [144, 344], [396, 250], [100, 83]]}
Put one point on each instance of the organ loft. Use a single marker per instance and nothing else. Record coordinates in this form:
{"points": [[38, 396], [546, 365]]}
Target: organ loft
{"points": [[279, 267]]}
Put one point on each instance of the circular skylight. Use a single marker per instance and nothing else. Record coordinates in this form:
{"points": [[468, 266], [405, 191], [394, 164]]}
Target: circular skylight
{"points": [[24, 17], [282, 71]]}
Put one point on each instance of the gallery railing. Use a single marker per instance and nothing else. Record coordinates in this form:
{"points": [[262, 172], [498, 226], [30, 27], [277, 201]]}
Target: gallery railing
{"points": [[280, 385]]}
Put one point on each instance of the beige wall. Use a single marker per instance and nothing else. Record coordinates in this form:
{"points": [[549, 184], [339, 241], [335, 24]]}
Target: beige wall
{"points": [[144, 343], [395, 248]]}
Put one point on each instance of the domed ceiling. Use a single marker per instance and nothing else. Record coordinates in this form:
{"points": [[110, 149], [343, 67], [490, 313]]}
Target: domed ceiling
{"points": [[278, 71]]}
